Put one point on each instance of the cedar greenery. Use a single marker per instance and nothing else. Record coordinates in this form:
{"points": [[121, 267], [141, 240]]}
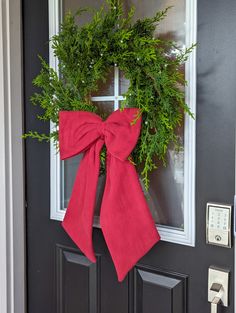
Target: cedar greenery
{"points": [[86, 54]]}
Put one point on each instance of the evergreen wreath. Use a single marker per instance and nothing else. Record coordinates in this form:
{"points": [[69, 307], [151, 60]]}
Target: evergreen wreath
{"points": [[86, 55]]}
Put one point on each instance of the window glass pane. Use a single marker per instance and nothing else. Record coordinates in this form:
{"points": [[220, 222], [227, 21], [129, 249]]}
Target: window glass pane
{"points": [[74, 5], [70, 166], [123, 83], [105, 108], [107, 88], [173, 26], [68, 169], [166, 194]]}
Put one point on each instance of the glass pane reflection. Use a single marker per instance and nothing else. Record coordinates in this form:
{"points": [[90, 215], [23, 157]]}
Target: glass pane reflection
{"points": [[68, 170], [105, 108], [173, 26], [123, 83], [166, 194]]}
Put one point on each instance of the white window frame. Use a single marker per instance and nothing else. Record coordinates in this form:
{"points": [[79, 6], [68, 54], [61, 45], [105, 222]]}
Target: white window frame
{"points": [[170, 234]]}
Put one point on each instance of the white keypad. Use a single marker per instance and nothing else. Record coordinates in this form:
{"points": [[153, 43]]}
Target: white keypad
{"points": [[219, 220]]}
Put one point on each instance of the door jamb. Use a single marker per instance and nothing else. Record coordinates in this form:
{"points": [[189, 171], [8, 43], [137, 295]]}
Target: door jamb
{"points": [[12, 208]]}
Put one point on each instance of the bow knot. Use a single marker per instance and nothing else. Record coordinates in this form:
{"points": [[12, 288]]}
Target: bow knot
{"points": [[125, 219], [101, 129]]}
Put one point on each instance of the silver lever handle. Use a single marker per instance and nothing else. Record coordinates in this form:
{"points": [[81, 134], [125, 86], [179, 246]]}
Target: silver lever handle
{"points": [[217, 299], [214, 304], [218, 286]]}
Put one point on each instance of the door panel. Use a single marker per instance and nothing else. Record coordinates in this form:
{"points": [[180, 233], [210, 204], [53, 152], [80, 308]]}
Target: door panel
{"points": [[170, 276], [77, 282], [159, 291], [86, 287]]}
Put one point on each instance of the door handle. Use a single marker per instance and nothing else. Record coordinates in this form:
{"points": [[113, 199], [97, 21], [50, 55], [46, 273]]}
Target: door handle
{"points": [[215, 287], [214, 304], [218, 283]]}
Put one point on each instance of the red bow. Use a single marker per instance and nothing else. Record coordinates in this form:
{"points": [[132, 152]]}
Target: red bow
{"points": [[126, 222]]}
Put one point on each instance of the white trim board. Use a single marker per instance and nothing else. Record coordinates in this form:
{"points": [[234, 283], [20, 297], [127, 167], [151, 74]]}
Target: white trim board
{"points": [[186, 236], [12, 238]]}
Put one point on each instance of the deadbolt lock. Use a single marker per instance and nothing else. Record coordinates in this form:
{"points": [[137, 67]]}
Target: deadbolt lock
{"points": [[218, 224]]}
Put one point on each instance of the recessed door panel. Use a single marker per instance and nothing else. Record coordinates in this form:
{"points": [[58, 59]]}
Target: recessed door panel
{"points": [[77, 282], [158, 291]]}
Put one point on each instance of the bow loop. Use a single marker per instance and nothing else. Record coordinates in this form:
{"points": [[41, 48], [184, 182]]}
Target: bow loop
{"points": [[121, 133], [77, 131]]}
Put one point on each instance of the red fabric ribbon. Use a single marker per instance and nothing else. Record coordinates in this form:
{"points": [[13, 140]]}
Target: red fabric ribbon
{"points": [[126, 222]]}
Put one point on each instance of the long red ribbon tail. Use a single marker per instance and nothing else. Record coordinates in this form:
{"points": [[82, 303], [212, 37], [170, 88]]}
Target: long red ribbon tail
{"points": [[78, 221], [126, 221]]}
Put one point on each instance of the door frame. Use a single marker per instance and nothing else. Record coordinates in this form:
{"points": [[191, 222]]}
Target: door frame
{"points": [[12, 208]]}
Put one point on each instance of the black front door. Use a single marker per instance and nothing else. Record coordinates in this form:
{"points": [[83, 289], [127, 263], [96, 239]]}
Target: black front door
{"points": [[172, 277]]}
